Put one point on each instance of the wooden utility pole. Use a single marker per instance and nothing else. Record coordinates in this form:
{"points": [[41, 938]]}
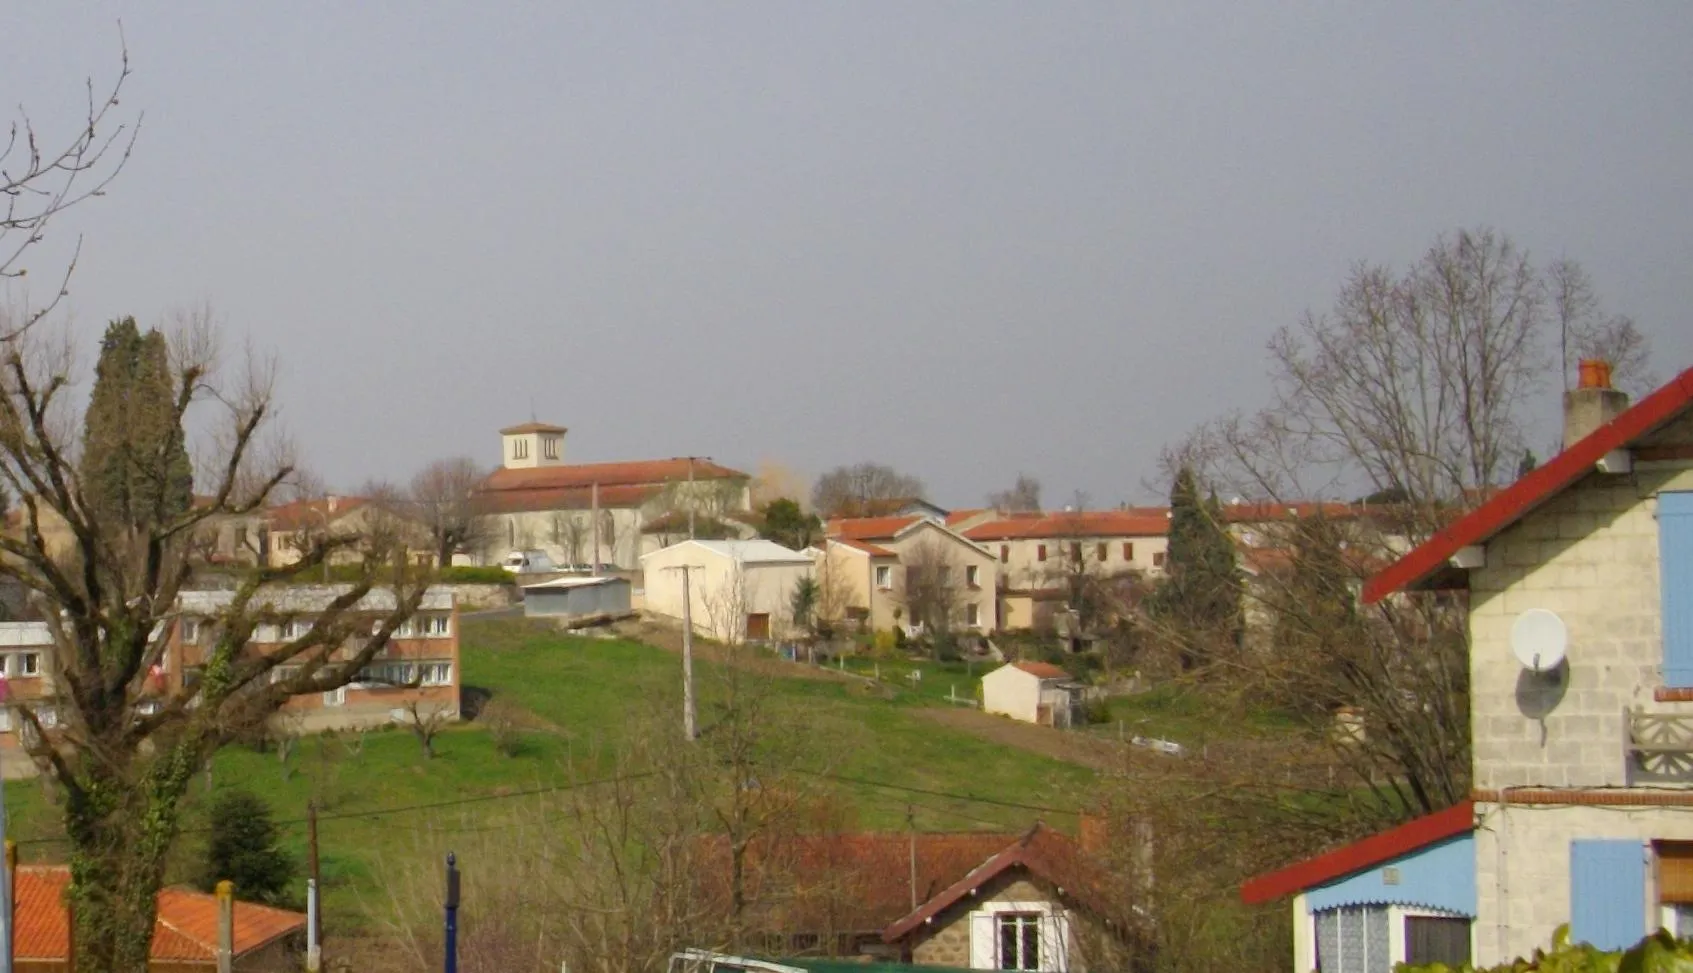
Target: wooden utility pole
{"points": [[690, 498], [690, 726], [594, 519]]}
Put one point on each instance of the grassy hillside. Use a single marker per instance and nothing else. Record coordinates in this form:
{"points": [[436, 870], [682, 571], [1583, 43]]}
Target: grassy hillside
{"points": [[581, 697]]}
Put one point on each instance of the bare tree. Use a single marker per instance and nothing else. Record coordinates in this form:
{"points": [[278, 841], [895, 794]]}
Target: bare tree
{"points": [[571, 533], [1585, 330], [934, 590], [1022, 497], [863, 490], [124, 757], [426, 723], [443, 497], [41, 178]]}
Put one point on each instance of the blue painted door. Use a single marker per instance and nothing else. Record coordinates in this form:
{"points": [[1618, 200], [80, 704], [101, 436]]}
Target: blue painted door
{"points": [[1607, 892], [1675, 571]]}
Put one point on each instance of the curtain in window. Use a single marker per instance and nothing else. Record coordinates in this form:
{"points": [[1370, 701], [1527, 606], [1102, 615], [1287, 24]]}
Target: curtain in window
{"points": [[1353, 939]]}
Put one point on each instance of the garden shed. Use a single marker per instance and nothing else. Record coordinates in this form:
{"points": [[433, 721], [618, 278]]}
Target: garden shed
{"points": [[576, 597]]}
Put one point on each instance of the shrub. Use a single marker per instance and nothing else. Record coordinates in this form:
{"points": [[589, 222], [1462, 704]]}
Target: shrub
{"points": [[1657, 952], [242, 848], [466, 574], [504, 726]]}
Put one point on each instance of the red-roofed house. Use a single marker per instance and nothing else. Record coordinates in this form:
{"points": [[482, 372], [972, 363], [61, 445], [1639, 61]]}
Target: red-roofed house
{"points": [[1034, 551], [875, 568], [1579, 579], [185, 935], [539, 502], [1034, 692]]}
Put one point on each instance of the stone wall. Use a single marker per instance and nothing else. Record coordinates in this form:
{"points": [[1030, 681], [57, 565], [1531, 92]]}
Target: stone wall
{"points": [[946, 941]]}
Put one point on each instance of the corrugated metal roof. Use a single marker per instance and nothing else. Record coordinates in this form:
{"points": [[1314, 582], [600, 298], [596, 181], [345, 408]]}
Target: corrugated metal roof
{"points": [[573, 583]]}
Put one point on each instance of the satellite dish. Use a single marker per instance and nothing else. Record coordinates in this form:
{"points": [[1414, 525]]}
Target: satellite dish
{"points": [[1539, 640]]}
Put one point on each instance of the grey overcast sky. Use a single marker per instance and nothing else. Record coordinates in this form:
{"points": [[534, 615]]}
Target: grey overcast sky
{"points": [[966, 239]]}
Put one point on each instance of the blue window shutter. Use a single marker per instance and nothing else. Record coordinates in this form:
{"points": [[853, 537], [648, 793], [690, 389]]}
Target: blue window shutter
{"points": [[1608, 892], [1675, 572]]}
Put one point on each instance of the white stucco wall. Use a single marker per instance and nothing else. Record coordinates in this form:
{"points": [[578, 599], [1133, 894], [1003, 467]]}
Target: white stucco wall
{"points": [[722, 591], [1009, 691]]}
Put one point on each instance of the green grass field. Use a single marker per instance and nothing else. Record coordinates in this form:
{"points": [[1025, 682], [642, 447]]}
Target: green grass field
{"points": [[585, 696]]}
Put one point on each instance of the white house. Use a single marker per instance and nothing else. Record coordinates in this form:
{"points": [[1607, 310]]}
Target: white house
{"points": [[1580, 589], [736, 589], [1034, 692]]}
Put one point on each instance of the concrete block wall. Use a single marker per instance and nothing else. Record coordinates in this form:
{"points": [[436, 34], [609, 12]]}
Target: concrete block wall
{"points": [[1523, 867], [1591, 555]]}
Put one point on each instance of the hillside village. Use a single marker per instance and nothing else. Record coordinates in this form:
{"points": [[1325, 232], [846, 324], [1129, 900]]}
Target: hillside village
{"points": [[315, 655]]}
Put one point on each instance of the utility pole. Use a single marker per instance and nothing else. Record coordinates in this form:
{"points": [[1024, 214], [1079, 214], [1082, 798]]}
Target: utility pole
{"points": [[690, 725], [451, 964], [11, 901], [594, 518], [6, 887], [314, 917], [911, 827], [690, 498]]}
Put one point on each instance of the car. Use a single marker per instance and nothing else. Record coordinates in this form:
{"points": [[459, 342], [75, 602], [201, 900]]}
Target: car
{"points": [[528, 562]]}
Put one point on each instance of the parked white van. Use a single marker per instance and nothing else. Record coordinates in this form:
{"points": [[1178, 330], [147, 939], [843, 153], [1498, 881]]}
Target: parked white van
{"points": [[528, 562]]}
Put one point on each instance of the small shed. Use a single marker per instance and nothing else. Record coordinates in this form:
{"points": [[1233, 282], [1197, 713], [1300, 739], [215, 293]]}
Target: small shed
{"points": [[576, 597], [1034, 692]]}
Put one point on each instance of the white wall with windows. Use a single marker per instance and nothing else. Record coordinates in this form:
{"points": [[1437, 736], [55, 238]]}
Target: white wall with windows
{"points": [[1020, 936]]}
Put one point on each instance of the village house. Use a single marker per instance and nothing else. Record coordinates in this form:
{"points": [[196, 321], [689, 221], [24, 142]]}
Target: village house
{"points": [[419, 666], [1039, 900], [1034, 692], [583, 513], [1579, 579], [889, 571], [288, 528], [735, 590], [185, 933], [1042, 555]]}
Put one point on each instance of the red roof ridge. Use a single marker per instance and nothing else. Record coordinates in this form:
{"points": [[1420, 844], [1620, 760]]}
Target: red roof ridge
{"points": [[1377, 848], [1022, 850], [1536, 487]]}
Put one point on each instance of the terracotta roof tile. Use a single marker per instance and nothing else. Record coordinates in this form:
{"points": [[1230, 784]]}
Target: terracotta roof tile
{"points": [[1043, 670], [865, 546], [868, 528], [654, 472], [565, 498], [303, 514], [186, 930]]}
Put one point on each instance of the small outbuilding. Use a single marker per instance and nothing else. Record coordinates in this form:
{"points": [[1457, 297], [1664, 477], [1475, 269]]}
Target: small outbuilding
{"points": [[736, 590], [1034, 692], [577, 597]]}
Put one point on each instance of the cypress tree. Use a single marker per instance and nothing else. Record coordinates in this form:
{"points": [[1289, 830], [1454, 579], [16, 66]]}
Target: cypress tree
{"points": [[135, 466], [1202, 588]]}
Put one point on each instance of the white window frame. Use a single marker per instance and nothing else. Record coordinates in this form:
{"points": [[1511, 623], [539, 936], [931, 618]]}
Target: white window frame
{"points": [[884, 577], [1054, 929], [973, 575], [437, 626], [295, 628], [29, 665], [430, 669]]}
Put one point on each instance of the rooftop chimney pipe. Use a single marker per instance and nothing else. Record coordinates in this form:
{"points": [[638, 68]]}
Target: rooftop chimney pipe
{"points": [[1592, 403]]}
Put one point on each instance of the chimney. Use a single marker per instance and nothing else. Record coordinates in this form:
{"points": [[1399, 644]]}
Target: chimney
{"points": [[1592, 403]]}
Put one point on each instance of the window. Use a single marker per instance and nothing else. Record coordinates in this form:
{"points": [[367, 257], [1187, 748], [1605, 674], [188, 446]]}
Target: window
{"points": [[29, 664], [191, 676], [437, 673], [549, 447], [973, 576], [884, 576], [283, 673], [1128, 551], [1354, 939], [436, 626], [190, 631], [520, 449], [1104, 551], [1040, 552], [1076, 551], [1675, 573], [1005, 553], [387, 674], [1437, 939], [1158, 559], [296, 628], [972, 614], [1019, 941]]}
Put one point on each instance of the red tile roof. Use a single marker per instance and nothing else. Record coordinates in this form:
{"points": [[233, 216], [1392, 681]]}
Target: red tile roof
{"points": [[960, 515], [1043, 670], [565, 498], [1044, 852], [1377, 848], [305, 514], [519, 430], [640, 472], [185, 932], [868, 528], [1540, 485], [865, 546], [1079, 524]]}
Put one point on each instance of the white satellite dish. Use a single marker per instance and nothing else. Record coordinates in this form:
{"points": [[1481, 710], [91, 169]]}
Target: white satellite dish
{"points": [[1539, 640]]}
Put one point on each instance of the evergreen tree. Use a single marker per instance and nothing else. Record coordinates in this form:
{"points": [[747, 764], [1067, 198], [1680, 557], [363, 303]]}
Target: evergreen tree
{"points": [[1201, 592], [135, 467], [243, 849], [788, 525]]}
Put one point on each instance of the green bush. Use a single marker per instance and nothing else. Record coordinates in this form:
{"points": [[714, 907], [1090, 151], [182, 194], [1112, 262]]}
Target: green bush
{"points": [[475, 575], [243, 848], [1657, 953]]}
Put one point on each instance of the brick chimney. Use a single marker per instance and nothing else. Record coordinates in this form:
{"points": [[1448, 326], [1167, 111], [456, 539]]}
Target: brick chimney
{"points": [[1592, 403]]}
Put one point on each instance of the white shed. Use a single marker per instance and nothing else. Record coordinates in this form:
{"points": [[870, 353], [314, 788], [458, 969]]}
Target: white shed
{"points": [[1034, 692], [737, 589]]}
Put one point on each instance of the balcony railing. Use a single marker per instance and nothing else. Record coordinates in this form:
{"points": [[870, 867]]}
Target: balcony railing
{"points": [[1661, 744]]}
